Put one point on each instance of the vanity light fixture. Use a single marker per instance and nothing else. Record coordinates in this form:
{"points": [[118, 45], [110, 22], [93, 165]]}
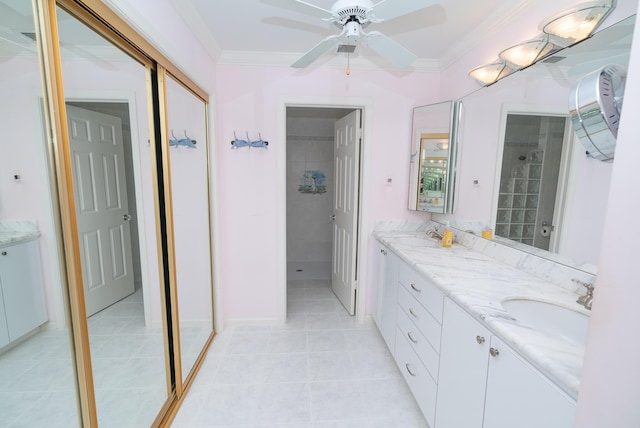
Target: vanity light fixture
{"points": [[490, 73], [579, 22], [526, 53]]}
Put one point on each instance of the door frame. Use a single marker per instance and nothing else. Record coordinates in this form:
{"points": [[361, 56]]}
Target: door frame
{"points": [[366, 107], [565, 162], [130, 100]]}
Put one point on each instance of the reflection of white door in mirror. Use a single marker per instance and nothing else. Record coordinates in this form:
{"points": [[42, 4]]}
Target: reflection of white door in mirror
{"points": [[530, 178], [102, 207]]}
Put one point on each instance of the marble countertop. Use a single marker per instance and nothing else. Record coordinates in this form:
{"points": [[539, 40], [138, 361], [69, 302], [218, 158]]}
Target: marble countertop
{"points": [[479, 284], [15, 231]]}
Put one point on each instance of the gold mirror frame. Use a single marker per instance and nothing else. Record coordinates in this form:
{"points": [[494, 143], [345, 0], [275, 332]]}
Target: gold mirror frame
{"points": [[104, 21]]}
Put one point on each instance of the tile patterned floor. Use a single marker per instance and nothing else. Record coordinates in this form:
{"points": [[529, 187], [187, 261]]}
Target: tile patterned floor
{"points": [[322, 369], [36, 379]]}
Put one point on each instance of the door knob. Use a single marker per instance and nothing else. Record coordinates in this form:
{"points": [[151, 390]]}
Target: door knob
{"points": [[126, 217], [332, 217]]}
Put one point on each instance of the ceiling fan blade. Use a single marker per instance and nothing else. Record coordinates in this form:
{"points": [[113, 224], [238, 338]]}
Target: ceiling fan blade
{"points": [[301, 7], [389, 9], [316, 52], [393, 52]]}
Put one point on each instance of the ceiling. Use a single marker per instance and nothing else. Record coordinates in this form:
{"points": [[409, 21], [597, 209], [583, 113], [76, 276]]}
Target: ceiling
{"points": [[438, 34]]}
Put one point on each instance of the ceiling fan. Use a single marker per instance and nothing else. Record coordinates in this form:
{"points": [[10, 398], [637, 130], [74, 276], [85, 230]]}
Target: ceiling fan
{"points": [[352, 17]]}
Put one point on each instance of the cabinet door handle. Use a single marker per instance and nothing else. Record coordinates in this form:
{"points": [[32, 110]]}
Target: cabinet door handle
{"points": [[4, 253], [416, 289], [494, 352], [480, 339], [410, 335], [413, 313], [409, 370]]}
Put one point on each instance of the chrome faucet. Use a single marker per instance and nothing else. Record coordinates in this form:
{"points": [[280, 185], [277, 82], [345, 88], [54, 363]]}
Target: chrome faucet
{"points": [[587, 299], [433, 233]]}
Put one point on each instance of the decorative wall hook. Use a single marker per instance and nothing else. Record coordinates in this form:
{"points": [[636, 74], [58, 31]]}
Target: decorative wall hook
{"points": [[236, 143], [186, 141]]}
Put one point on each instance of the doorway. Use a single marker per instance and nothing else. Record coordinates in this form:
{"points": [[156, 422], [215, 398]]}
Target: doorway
{"points": [[531, 179], [322, 199], [107, 223]]}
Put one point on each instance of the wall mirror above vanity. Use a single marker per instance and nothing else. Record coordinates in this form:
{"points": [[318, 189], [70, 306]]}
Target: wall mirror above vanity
{"points": [[433, 157], [538, 189]]}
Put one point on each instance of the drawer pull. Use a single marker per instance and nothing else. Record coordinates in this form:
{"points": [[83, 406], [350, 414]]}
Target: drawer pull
{"points": [[416, 289], [413, 313], [409, 370], [480, 340], [410, 335], [494, 352]]}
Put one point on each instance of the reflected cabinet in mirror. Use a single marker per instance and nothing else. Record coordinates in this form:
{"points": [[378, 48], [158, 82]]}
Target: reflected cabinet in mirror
{"points": [[433, 150], [548, 196]]}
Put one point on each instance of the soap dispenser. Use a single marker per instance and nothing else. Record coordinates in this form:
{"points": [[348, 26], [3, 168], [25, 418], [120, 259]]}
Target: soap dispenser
{"points": [[447, 236]]}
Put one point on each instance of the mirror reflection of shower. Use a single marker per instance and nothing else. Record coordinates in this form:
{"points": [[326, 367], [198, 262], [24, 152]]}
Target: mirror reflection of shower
{"points": [[529, 179]]}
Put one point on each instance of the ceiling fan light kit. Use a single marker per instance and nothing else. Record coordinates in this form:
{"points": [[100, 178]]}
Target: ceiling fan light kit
{"points": [[352, 16]]}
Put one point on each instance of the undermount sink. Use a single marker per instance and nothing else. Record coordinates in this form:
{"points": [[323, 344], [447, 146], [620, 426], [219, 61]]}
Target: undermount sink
{"points": [[554, 320]]}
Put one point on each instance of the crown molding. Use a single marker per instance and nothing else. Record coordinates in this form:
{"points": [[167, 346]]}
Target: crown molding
{"points": [[495, 22], [193, 19]]}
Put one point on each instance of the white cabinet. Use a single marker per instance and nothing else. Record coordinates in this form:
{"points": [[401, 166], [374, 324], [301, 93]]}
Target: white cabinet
{"points": [[496, 388], [4, 331], [387, 295], [22, 288], [417, 349], [463, 369], [519, 395]]}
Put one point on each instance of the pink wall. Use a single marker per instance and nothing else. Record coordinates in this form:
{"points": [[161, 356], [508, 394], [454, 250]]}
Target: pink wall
{"points": [[610, 383], [248, 100]]}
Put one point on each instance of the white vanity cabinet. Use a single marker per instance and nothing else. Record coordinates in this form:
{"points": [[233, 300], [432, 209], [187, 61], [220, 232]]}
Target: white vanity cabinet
{"points": [[519, 395], [493, 385], [385, 318], [21, 284], [417, 352], [4, 331], [463, 369]]}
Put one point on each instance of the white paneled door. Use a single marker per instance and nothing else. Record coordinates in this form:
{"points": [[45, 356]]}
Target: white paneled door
{"points": [[101, 204], [345, 209]]}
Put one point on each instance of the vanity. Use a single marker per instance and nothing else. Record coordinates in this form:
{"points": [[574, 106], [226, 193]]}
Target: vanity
{"points": [[479, 342], [22, 298]]}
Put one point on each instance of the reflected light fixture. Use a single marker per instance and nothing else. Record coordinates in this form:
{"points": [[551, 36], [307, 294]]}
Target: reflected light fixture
{"points": [[490, 73], [526, 53], [579, 22], [442, 146]]}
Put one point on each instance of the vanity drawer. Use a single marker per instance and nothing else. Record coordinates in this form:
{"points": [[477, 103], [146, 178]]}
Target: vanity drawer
{"points": [[423, 320], [420, 383], [419, 344], [423, 290]]}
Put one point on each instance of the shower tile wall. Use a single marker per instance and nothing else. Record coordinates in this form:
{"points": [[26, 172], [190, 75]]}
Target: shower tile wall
{"points": [[520, 179], [309, 148]]}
